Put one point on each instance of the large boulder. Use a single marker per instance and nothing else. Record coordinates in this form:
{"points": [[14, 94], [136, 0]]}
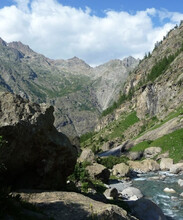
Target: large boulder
{"points": [[134, 155], [163, 155], [144, 166], [87, 155], [121, 170], [74, 206], [176, 168], [151, 152], [166, 163], [107, 146], [36, 155], [145, 209], [131, 193], [98, 171], [111, 193], [180, 182]]}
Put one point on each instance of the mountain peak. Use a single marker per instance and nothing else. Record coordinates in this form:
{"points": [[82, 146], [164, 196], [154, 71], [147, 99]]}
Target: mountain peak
{"points": [[21, 47], [2, 42], [129, 61]]}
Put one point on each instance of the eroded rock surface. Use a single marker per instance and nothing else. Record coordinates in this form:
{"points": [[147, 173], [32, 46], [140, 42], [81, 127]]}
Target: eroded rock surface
{"points": [[74, 206], [36, 154]]}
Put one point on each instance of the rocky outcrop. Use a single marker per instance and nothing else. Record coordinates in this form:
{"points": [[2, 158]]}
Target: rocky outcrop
{"points": [[36, 154], [74, 206], [98, 171]]}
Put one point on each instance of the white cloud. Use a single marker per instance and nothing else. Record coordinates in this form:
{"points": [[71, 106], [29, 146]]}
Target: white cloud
{"points": [[59, 31], [22, 4]]}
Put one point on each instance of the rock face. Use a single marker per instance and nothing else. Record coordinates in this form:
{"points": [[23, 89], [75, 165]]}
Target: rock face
{"points": [[98, 171], [166, 163], [74, 206], [144, 166], [151, 152], [36, 155], [121, 169]]}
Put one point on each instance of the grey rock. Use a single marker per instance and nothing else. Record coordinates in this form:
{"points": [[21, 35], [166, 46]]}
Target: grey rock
{"points": [[111, 193], [151, 152], [180, 182], [87, 155], [134, 155], [144, 166], [131, 193], [121, 170], [73, 206], [145, 209], [98, 171], [107, 146], [166, 163], [164, 155], [36, 154], [176, 168]]}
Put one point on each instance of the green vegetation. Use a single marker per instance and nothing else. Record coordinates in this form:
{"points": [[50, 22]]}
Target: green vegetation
{"points": [[153, 123], [80, 174], [171, 142], [86, 136], [114, 130], [110, 161], [124, 124], [162, 65]]}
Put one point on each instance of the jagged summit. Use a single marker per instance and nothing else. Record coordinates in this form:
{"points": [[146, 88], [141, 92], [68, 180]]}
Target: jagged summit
{"points": [[21, 47], [78, 92], [2, 42]]}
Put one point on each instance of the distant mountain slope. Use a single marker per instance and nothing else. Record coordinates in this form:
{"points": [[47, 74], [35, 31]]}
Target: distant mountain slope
{"points": [[78, 91]]}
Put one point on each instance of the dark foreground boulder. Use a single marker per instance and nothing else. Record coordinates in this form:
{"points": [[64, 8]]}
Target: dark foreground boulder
{"points": [[36, 154], [74, 206], [145, 209]]}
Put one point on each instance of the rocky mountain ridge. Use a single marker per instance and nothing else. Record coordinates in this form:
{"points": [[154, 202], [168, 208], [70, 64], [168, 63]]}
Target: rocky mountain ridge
{"points": [[78, 92], [150, 107]]}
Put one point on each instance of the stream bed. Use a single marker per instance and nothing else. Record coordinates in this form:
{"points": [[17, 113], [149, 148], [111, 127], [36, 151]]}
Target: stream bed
{"points": [[170, 203]]}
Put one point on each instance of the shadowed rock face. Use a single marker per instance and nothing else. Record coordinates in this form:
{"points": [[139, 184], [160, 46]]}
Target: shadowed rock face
{"points": [[36, 155]]}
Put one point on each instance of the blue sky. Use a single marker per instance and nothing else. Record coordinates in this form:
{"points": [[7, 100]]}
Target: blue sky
{"points": [[94, 30]]}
